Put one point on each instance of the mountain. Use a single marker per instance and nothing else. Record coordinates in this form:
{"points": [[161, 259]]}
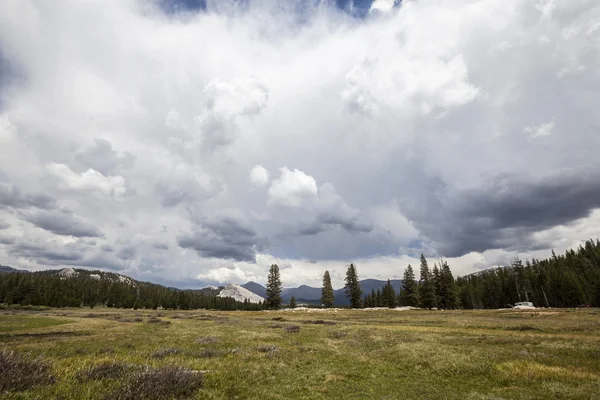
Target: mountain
{"points": [[308, 294], [5, 269], [256, 288], [240, 293], [301, 293]]}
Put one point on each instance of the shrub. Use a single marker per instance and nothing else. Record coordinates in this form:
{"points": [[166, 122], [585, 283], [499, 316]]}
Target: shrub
{"points": [[318, 322], [103, 371], [338, 334], [18, 373], [292, 329], [207, 340], [171, 351], [268, 348], [106, 350], [208, 353], [154, 320], [160, 383], [524, 328]]}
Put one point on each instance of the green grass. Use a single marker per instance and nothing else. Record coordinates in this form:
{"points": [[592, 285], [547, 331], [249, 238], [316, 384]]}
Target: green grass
{"points": [[418, 354]]}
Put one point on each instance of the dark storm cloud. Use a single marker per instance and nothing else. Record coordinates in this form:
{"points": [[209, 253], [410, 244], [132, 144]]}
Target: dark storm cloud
{"points": [[63, 223], [102, 158], [506, 211], [226, 238], [326, 222], [7, 240], [13, 197], [107, 248], [127, 253], [174, 190], [51, 255]]}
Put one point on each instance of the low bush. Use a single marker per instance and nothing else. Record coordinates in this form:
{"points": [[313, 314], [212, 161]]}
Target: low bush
{"points": [[292, 328], [103, 371], [268, 348], [207, 340], [18, 373], [160, 383], [171, 351]]}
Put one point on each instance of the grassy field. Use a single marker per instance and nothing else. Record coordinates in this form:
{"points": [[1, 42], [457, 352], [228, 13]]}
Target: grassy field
{"points": [[387, 354]]}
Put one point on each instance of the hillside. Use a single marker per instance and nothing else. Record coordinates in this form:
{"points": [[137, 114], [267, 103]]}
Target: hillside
{"points": [[72, 287], [5, 269]]}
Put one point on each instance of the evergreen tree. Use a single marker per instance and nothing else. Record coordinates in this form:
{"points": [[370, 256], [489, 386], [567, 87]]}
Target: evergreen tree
{"points": [[378, 299], [448, 295], [273, 288], [389, 296], [353, 290], [426, 286], [437, 281], [327, 298], [293, 302], [409, 294]]}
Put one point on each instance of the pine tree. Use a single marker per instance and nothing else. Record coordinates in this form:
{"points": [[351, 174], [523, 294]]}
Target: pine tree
{"points": [[426, 286], [409, 294], [293, 302], [437, 282], [447, 288], [273, 288], [389, 296], [353, 290], [378, 299], [327, 298]]}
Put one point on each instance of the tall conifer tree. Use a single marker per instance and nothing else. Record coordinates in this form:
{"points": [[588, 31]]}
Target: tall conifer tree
{"points": [[426, 286], [409, 293], [273, 288], [327, 298], [353, 290]]}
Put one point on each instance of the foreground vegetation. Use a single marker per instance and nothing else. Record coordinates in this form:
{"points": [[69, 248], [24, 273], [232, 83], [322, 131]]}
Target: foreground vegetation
{"points": [[350, 354]]}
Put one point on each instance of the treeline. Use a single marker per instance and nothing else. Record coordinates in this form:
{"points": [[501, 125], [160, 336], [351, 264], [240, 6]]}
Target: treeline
{"points": [[50, 289], [568, 280], [436, 288]]}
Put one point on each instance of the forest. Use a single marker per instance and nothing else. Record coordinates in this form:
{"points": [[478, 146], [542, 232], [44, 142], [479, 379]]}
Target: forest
{"points": [[568, 280]]}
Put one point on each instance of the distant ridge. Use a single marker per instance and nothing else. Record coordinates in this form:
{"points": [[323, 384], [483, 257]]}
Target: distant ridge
{"points": [[309, 294], [5, 269]]}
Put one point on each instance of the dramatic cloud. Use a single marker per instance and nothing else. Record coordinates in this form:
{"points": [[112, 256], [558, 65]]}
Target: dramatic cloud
{"points": [[226, 237], [201, 147], [63, 223], [11, 196]]}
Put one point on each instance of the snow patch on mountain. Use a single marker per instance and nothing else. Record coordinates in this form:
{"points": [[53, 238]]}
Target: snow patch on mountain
{"points": [[210, 287], [240, 294]]}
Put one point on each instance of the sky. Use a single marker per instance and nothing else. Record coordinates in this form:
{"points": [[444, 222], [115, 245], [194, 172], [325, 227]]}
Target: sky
{"points": [[198, 142]]}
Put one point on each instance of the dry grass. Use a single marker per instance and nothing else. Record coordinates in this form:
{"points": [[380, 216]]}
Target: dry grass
{"points": [[380, 354]]}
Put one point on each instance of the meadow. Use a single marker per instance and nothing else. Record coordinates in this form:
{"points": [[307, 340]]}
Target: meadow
{"points": [[106, 353]]}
